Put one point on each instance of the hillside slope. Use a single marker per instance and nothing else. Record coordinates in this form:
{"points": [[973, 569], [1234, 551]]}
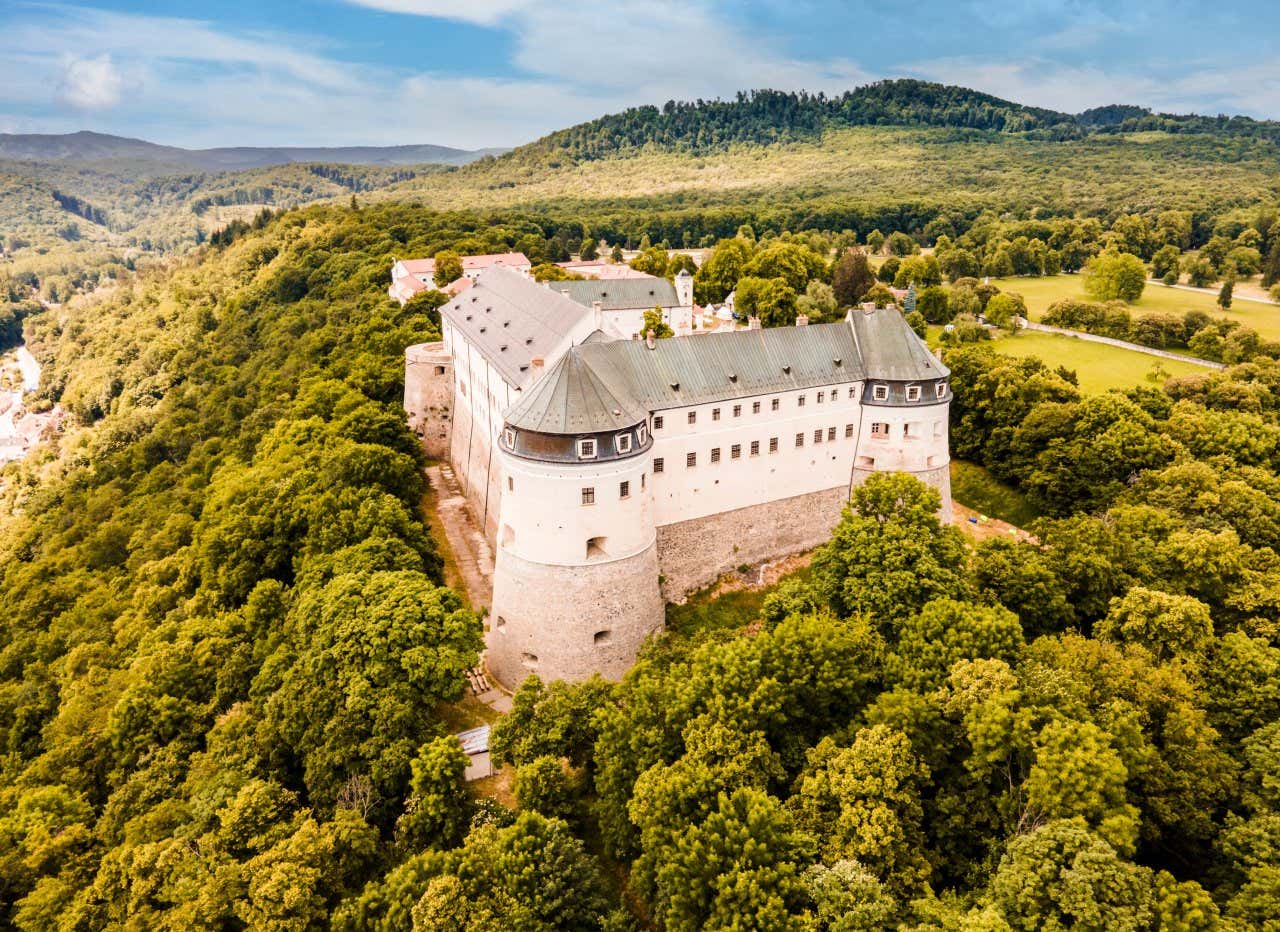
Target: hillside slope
{"points": [[99, 147]]}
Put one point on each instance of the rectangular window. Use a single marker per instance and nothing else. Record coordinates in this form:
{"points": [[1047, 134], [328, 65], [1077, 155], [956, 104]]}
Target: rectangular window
{"points": [[642, 434], [589, 495], [624, 489], [800, 402], [879, 429], [586, 449], [817, 435], [799, 440], [852, 392], [848, 430], [822, 396], [773, 444], [641, 482], [913, 393], [690, 460], [715, 454], [622, 442], [511, 484], [880, 392], [831, 434], [735, 452], [755, 407], [755, 447], [940, 390], [658, 464], [509, 438], [773, 405], [737, 410], [657, 422], [693, 417], [715, 414]]}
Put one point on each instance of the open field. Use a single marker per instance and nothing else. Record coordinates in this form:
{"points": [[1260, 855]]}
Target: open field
{"points": [[1041, 292], [1099, 366]]}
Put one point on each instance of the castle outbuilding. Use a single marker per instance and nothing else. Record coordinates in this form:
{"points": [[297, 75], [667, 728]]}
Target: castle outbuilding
{"points": [[615, 474]]}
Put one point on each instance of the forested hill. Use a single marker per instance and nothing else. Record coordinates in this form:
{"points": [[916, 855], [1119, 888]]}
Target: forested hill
{"points": [[98, 147], [768, 116]]}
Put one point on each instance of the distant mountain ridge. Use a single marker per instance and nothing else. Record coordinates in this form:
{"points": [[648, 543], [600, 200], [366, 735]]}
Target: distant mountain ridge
{"points": [[86, 146], [764, 117]]}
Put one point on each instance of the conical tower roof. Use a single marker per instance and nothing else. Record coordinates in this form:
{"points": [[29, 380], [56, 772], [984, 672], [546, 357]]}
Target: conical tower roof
{"points": [[572, 399]]}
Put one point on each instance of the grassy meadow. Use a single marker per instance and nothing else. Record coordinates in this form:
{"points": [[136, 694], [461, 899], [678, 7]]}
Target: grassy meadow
{"points": [[1100, 367], [974, 486], [1042, 292]]}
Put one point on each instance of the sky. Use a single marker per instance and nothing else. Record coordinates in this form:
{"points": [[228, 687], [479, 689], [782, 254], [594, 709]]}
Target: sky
{"points": [[475, 73]]}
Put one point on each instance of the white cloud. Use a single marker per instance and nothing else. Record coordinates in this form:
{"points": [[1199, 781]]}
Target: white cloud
{"points": [[1172, 87], [91, 83], [480, 12]]}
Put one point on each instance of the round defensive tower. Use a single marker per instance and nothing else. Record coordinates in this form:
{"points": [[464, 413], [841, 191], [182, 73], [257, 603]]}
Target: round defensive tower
{"points": [[575, 587], [906, 402]]}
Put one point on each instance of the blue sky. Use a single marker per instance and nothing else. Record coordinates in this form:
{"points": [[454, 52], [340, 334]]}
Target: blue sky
{"points": [[500, 72]]}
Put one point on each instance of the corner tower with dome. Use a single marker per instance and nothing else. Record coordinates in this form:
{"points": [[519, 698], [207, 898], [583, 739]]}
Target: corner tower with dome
{"points": [[613, 473]]}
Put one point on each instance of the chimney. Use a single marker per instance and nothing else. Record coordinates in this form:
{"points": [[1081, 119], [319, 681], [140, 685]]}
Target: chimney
{"points": [[651, 340], [597, 314], [536, 365], [753, 323], [869, 307], [802, 320]]}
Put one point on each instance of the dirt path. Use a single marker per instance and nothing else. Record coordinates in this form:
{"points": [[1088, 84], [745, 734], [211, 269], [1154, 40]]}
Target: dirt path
{"points": [[471, 556]]}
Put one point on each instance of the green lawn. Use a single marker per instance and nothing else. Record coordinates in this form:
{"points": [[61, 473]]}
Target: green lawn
{"points": [[1099, 366], [1041, 292], [973, 486]]}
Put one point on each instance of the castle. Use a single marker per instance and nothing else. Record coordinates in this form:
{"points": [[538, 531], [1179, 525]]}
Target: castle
{"points": [[614, 472]]}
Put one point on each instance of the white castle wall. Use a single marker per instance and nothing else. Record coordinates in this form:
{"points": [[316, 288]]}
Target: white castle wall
{"points": [[576, 583]]}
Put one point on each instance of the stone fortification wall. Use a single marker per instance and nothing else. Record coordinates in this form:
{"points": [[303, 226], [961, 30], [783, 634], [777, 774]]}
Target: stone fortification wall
{"points": [[428, 396], [476, 466], [568, 622], [697, 552]]}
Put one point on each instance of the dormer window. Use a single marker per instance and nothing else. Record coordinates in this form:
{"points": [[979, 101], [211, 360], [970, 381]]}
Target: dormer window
{"points": [[509, 438], [940, 389], [880, 392], [642, 434], [586, 449], [913, 393], [622, 443]]}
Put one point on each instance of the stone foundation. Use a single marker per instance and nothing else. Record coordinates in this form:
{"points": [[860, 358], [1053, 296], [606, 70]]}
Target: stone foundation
{"points": [[697, 552], [568, 622]]}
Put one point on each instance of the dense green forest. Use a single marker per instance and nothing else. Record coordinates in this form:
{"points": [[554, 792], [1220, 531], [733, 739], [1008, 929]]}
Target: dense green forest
{"points": [[226, 654], [768, 116]]}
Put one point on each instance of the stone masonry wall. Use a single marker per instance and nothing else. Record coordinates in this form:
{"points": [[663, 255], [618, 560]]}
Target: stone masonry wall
{"points": [[428, 396], [697, 552], [568, 622]]}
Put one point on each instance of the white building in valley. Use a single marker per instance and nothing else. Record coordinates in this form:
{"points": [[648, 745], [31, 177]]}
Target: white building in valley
{"points": [[614, 473]]}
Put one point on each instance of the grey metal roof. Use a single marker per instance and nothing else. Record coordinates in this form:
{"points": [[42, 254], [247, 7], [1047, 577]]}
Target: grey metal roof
{"points": [[890, 349], [711, 367], [622, 293], [512, 319], [572, 399]]}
